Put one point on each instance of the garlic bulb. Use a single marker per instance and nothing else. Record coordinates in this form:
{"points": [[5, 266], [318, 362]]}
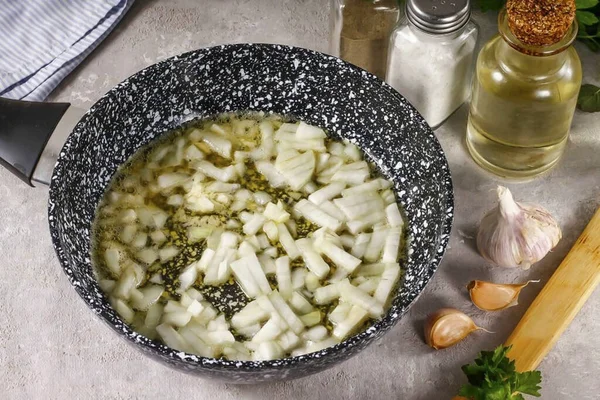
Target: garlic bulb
{"points": [[448, 326], [516, 234], [490, 296]]}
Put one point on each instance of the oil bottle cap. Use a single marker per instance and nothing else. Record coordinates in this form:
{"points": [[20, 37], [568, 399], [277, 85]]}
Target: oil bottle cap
{"points": [[540, 22], [438, 16]]}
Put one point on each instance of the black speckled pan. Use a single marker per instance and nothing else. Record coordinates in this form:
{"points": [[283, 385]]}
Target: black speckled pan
{"points": [[346, 101]]}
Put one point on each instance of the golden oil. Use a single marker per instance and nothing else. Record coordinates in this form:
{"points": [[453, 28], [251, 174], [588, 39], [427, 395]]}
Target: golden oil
{"points": [[522, 104]]}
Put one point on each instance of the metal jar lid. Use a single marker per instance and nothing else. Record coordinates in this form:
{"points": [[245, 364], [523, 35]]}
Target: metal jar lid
{"points": [[438, 16]]}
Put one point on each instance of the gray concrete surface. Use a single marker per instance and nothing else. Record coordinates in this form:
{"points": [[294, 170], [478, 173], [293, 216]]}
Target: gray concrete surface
{"points": [[52, 347]]}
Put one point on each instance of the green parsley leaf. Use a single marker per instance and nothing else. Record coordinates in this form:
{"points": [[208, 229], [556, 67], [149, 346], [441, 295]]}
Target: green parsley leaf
{"points": [[589, 98], [586, 18], [529, 383], [585, 4], [492, 376]]}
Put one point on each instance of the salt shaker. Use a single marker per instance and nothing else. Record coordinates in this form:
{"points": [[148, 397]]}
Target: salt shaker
{"points": [[431, 56]]}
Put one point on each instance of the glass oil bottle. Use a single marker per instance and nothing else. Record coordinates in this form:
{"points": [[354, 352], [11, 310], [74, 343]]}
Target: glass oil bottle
{"points": [[523, 101]]}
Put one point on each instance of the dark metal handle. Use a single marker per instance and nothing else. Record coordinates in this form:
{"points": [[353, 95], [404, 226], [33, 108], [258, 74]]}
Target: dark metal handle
{"points": [[25, 128]]}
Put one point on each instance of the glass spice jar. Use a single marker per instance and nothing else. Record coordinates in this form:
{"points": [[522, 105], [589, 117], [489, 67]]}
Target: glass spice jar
{"points": [[431, 57], [360, 32], [523, 101]]}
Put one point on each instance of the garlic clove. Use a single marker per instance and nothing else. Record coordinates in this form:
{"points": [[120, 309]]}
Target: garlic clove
{"points": [[490, 296], [448, 326], [515, 234]]}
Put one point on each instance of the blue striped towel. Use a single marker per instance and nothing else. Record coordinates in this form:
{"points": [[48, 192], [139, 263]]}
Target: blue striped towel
{"points": [[42, 41]]}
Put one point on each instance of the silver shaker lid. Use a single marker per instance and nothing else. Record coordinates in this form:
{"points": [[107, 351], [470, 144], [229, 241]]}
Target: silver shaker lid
{"points": [[438, 16]]}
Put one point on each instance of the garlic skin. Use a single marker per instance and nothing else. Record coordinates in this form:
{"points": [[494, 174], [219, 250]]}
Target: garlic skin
{"points": [[490, 296], [516, 234], [448, 326]]}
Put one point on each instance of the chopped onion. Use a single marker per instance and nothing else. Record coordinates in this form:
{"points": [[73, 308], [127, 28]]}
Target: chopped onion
{"points": [[392, 245], [268, 264], [365, 222], [216, 142], [269, 171], [251, 314], [175, 200], [298, 275], [275, 213], [327, 192], [354, 295], [112, 259], [297, 168], [221, 174], [125, 285], [376, 244], [167, 253], [158, 237], [311, 319], [352, 152], [286, 312], [139, 240], [305, 131], [338, 256], [177, 318], [333, 210], [357, 206], [128, 233], [172, 338], [193, 153], [312, 282], [147, 255], [268, 332], [205, 260], [316, 215], [198, 345], [254, 224], [390, 276], [369, 285], [356, 316], [394, 218], [268, 351], [123, 310], [367, 187], [288, 340], [388, 196], [299, 304], [188, 277], [316, 333], [340, 312], [288, 243], [313, 260], [249, 331], [153, 315], [222, 187], [171, 180], [262, 198], [284, 276], [326, 294], [354, 173]]}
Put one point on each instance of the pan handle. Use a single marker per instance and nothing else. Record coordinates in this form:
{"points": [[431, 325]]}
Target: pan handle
{"points": [[25, 128]]}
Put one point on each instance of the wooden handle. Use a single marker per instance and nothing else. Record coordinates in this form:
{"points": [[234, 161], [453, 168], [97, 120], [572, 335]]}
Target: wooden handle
{"points": [[559, 301]]}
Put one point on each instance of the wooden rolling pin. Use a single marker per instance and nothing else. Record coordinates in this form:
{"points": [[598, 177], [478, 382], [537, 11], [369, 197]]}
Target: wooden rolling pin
{"points": [[559, 301]]}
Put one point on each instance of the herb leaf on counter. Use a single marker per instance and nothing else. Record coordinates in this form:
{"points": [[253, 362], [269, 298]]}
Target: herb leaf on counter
{"points": [[492, 376], [589, 98]]}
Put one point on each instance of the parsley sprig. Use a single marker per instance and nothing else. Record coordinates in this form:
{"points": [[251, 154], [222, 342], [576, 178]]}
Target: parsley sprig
{"points": [[492, 376]]}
